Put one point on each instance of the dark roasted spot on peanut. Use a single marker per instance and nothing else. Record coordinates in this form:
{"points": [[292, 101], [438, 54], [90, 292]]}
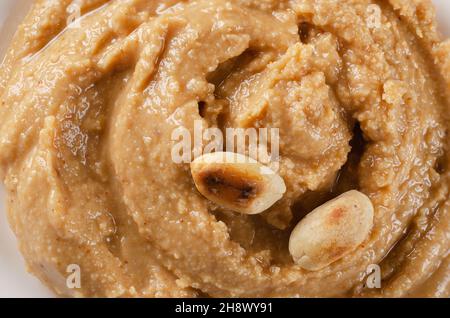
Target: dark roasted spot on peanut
{"points": [[231, 187]]}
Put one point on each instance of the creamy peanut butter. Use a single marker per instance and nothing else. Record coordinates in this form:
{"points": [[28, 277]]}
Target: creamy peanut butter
{"points": [[359, 91]]}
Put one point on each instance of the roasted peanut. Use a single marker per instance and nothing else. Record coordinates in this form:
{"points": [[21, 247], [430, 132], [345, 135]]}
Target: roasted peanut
{"points": [[332, 231], [237, 182]]}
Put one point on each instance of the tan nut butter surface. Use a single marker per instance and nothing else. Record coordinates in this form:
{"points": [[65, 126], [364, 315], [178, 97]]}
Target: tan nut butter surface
{"points": [[85, 142]]}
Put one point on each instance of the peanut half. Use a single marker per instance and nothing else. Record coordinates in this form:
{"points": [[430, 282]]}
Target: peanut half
{"points": [[332, 231], [237, 182]]}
